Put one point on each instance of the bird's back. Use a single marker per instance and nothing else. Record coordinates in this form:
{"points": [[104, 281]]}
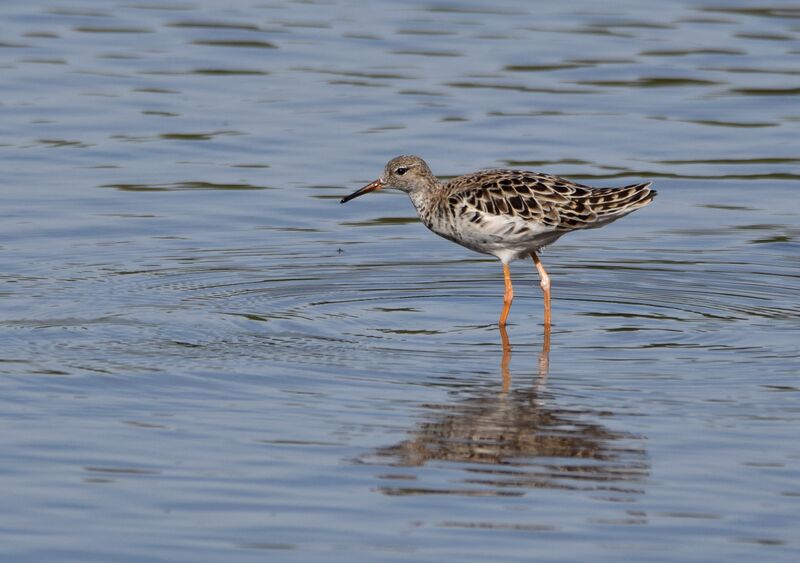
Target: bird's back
{"points": [[523, 211], [550, 200]]}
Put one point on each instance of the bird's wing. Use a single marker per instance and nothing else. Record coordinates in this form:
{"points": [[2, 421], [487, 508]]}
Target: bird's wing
{"points": [[552, 202]]}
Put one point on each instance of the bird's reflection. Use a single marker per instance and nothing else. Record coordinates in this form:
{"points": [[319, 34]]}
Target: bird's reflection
{"points": [[544, 358], [514, 438]]}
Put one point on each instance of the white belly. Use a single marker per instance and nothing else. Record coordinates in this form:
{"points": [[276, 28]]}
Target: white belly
{"points": [[507, 238]]}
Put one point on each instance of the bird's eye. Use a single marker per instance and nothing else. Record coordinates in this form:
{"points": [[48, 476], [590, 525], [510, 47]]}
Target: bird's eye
{"points": [[401, 170]]}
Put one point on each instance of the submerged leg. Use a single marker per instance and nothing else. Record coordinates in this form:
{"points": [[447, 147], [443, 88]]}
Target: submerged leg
{"points": [[545, 284], [544, 356], [508, 296], [505, 359]]}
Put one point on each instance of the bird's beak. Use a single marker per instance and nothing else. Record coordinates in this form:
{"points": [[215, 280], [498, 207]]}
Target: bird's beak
{"points": [[371, 187]]}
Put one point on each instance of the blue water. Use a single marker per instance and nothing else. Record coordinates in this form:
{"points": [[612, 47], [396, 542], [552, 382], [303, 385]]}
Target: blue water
{"points": [[205, 357]]}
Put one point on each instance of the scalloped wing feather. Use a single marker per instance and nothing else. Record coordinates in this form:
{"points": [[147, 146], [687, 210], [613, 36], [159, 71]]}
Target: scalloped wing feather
{"points": [[518, 198]]}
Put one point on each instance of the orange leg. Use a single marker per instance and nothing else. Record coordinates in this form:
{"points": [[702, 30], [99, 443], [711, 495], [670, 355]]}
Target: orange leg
{"points": [[508, 296], [545, 284]]}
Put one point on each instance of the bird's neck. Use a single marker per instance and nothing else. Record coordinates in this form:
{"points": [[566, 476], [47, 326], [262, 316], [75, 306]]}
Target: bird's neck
{"points": [[426, 199]]}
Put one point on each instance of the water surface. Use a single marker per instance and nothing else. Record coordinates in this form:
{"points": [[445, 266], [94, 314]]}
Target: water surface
{"points": [[204, 356]]}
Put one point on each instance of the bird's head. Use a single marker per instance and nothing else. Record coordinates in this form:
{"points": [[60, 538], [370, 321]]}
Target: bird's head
{"points": [[405, 173]]}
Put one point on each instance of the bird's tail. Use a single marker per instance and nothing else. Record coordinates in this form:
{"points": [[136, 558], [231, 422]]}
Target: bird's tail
{"points": [[610, 203]]}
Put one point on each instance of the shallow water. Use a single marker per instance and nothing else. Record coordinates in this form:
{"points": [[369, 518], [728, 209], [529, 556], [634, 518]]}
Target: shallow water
{"points": [[204, 356]]}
